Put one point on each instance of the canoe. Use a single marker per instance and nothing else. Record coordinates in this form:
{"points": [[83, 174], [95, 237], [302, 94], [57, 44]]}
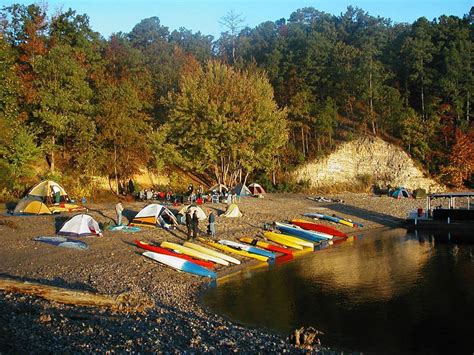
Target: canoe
{"points": [[267, 246], [232, 250], [248, 248], [180, 264], [211, 252], [318, 228], [298, 241], [164, 251], [302, 233], [280, 239], [194, 253]]}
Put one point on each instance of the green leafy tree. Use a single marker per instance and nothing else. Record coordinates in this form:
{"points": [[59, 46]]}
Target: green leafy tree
{"points": [[63, 98], [224, 122]]}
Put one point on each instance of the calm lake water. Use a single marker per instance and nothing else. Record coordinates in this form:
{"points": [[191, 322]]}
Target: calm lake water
{"points": [[384, 292]]}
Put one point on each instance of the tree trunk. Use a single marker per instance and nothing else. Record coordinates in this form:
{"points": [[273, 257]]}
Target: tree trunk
{"points": [[52, 155], [302, 140], [422, 97], [115, 167], [467, 109], [371, 101]]}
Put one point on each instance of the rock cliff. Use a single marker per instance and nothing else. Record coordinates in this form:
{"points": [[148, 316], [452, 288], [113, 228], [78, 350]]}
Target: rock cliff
{"points": [[366, 159]]}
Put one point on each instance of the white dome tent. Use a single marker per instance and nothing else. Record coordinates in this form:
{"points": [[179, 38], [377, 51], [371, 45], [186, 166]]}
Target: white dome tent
{"points": [[81, 225]]}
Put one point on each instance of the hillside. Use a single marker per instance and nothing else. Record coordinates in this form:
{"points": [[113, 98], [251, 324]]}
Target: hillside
{"points": [[367, 159]]}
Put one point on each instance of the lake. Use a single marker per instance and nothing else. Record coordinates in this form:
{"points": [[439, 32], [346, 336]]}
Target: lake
{"points": [[384, 291]]}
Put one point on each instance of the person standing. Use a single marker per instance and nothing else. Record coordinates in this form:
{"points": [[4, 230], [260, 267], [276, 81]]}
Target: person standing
{"points": [[212, 224], [119, 211], [189, 223], [195, 224], [56, 194]]}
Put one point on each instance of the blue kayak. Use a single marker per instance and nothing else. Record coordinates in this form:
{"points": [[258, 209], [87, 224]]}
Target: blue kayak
{"points": [[312, 236]]}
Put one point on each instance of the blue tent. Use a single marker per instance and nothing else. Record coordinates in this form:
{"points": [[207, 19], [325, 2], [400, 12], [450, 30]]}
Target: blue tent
{"points": [[241, 190]]}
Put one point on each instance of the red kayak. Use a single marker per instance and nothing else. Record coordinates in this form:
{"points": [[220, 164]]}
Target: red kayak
{"points": [[318, 228], [160, 250]]}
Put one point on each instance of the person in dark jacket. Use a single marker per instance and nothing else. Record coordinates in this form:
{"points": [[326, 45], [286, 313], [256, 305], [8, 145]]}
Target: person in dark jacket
{"points": [[189, 224], [195, 224]]}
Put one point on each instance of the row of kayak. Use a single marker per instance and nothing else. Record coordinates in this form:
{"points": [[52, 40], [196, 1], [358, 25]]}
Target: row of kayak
{"points": [[200, 259]]}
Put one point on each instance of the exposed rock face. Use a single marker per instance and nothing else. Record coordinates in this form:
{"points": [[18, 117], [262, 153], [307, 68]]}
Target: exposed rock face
{"points": [[366, 158]]}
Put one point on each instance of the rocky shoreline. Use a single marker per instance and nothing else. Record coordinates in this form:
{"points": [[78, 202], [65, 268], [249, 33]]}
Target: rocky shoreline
{"points": [[113, 265]]}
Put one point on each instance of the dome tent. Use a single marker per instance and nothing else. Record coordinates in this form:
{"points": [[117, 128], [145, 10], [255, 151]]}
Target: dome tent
{"points": [[256, 189], [154, 214], [241, 190], [31, 205], [233, 211], [401, 192], [44, 191], [80, 225], [200, 213]]}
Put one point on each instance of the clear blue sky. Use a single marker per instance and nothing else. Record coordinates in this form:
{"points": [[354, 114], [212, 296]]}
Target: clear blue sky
{"points": [[107, 16]]}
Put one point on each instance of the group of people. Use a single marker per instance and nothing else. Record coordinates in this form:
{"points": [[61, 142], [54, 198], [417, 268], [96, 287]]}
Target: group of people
{"points": [[192, 221], [192, 224]]}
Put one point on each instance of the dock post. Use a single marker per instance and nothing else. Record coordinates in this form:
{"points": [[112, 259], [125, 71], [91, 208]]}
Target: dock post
{"points": [[416, 221], [449, 220]]}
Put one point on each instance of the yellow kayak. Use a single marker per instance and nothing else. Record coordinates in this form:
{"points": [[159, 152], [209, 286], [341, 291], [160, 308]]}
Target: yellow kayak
{"points": [[193, 253], [268, 246], [232, 250], [280, 238], [211, 252]]}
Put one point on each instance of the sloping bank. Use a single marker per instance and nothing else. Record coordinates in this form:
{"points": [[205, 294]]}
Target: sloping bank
{"points": [[366, 159]]}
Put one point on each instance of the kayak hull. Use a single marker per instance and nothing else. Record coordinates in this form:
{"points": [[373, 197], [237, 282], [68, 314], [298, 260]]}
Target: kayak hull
{"points": [[160, 250], [248, 248], [267, 246], [194, 253], [180, 264], [318, 228], [302, 233], [232, 250], [211, 252]]}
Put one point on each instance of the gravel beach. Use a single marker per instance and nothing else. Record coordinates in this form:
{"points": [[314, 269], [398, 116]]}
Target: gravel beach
{"points": [[113, 265]]}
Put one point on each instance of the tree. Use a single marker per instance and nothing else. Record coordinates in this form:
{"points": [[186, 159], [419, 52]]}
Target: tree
{"points": [[224, 122], [461, 160], [233, 22], [63, 97]]}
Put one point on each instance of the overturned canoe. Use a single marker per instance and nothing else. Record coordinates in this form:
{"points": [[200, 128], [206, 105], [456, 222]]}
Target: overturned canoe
{"points": [[318, 228], [302, 233], [211, 252], [194, 253]]}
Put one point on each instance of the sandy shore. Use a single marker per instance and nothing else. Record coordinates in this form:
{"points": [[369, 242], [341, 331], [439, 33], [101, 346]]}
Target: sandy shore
{"points": [[113, 265]]}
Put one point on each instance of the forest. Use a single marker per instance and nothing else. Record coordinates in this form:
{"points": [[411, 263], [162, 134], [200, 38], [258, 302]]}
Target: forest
{"points": [[255, 102]]}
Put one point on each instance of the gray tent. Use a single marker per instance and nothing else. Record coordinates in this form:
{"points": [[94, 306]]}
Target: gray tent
{"points": [[241, 190]]}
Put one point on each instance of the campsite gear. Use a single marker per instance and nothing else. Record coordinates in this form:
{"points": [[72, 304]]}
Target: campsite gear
{"points": [[401, 192], [31, 205], [193, 208], [232, 211], [232, 250], [287, 240], [122, 228], [419, 193], [44, 190], [194, 253], [219, 188], [152, 215], [160, 250], [63, 242], [241, 190], [81, 225], [301, 233], [248, 248], [67, 207], [211, 252], [267, 246], [180, 264], [256, 189], [318, 228]]}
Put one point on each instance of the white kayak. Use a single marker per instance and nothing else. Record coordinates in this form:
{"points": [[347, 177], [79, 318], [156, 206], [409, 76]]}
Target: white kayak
{"points": [[180, 264]]}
